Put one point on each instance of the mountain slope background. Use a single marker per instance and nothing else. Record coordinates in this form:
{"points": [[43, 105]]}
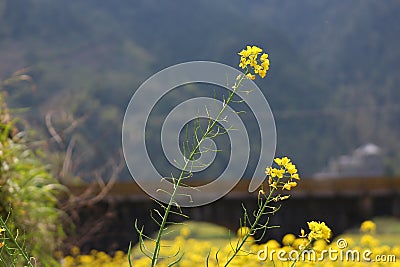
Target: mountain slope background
{"points": [[333, 83]]}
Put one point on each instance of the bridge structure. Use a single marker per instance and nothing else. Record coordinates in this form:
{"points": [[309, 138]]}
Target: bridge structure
{"points": [[342, 203]]}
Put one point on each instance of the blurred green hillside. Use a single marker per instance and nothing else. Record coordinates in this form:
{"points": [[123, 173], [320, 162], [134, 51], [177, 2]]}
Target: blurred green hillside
{"points": [[333, 83]]}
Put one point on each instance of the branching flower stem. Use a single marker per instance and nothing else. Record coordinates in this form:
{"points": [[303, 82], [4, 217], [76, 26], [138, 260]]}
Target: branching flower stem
{"points": [[171, 203], [254, 226]]}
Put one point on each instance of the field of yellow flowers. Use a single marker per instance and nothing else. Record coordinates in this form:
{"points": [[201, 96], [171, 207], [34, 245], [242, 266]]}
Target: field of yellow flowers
{"points": [[375, 243]]}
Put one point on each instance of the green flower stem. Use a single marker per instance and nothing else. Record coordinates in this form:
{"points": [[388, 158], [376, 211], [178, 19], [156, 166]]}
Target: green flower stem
{"points": [[184, 170], [259, 214], [14, 240]]}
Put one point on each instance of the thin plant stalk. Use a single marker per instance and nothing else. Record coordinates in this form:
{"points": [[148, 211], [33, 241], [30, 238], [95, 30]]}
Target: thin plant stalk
{"points": [[253, 226], [184, 170], [16, 243]]}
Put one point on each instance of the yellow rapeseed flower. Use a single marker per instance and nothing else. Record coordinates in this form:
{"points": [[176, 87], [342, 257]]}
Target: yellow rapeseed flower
{"points": [[278, 173], [242, 231], [262, 73], [246, 53], [274, 185], [249, 62], [283, 176], [185, 231], [396, 250], [299, 243], [284, 197], [291, 168], [243, 62], [255, 50], [295, 176], [272, 244], [289, 185], [302, 233], [250, 76], [369, 241], [282, 161], [319, 245], [75, 250], [319, 230], [368, 227], [288, 239], [286, 186], [264, 58]]}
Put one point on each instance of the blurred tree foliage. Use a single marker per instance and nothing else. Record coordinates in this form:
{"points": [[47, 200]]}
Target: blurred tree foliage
{"points": [[333, 78]]}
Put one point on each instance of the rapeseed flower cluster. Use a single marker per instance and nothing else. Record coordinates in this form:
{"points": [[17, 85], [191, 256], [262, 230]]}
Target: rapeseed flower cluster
{"points": [[284, 176], [95, 258], [319, 230], [195, 251], [288, 239], [368, 227], [369, 241], [249, 62]]}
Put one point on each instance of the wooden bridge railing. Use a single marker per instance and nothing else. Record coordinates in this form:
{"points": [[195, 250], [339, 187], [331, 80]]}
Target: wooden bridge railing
{"points": [[353, 186]]}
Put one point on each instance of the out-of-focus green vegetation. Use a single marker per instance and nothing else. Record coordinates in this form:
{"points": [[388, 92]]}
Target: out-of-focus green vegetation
{"points": [[29, 195], [337, 60]]}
